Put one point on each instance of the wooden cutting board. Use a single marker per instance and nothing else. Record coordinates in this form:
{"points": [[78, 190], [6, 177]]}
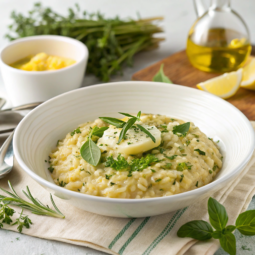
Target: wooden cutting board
{"points": [[178, 68]]}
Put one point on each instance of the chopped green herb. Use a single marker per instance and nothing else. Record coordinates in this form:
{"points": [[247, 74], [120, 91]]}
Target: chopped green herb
{"points": [[167, 166], [197, 136], [221, 158], [215, 167], [172, 120], [101, 144], [181, 178], [161, 190], [62, 184], [210, 138], [58, 142], [76, 131], [174, 182], [210, 171], [182, 166], [218, 141], [181, 149], [45, 161], [200, 152], [153, 170], [79, 190], [129, 174], [187, 142], [112, 183], [150, 186], [198, 141], [108, 176], [51, 169], [184, 154], [158, 180], [82, 169], [88, 172], [161, 150], [119, 164], [84, 183], [196, 184], [171, 157]]}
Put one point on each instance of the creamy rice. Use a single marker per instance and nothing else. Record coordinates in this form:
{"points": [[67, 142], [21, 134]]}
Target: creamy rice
{"points": [[181, 164]]}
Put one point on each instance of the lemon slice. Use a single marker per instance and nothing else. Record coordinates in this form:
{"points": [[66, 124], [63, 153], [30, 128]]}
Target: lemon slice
{"points": [[248, 81], [224, 85]]}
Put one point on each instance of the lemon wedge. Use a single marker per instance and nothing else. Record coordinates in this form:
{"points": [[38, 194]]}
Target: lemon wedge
{"points": [[224, 85], [248, 81]]}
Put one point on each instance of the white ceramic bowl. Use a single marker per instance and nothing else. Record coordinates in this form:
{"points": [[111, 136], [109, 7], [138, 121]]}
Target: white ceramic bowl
{"points": [[39, 131], [33, 86]]}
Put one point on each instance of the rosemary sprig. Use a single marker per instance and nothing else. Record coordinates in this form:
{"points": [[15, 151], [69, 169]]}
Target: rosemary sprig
{"points": [[36, 207]]}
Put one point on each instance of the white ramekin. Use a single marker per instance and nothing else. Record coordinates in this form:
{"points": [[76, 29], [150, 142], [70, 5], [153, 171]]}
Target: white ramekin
{"points": [[33, 86]]}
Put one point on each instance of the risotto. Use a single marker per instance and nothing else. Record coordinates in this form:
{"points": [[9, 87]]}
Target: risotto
{"points": [[158, 156]]}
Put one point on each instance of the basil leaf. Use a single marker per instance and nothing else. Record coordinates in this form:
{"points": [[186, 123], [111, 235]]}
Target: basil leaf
{"points": [[216, 234], [181, 129], [127, 114], [90, 152], [160, 76], [99, 131], [146, 132], [228, 243], [245, 223], [197, 229], [113, 121], [139, 115], [229, 228], [217, 214]]}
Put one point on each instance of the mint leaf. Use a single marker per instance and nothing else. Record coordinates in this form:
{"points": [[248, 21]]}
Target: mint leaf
{"points": [[181, 129], [160, 76], [217, 214], [90, 152], [245, 223], [197, 229], [228, 243]]}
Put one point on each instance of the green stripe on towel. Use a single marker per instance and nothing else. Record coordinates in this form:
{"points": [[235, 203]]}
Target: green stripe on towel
{"points": [[165, 231], [121, 233], [139, 228]]}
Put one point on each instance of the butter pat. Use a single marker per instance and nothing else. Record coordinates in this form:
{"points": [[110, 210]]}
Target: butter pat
{"points": [[135, 141]]}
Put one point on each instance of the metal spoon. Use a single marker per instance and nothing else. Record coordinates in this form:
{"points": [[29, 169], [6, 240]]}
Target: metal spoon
{"points": [[6, 150], [22, 107], [6, 157]]}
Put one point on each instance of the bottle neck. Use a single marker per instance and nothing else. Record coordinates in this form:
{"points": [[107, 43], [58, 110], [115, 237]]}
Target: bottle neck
{"points": [[219, 5]]}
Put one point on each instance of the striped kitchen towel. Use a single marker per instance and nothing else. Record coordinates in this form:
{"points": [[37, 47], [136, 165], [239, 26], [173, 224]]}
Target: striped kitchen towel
{"points": [[151, 235]]}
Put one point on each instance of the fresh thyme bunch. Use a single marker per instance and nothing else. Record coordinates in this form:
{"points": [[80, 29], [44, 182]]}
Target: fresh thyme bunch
{"points": [[111, 42]]}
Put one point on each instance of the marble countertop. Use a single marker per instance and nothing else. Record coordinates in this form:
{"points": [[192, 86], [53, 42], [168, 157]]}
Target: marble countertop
{"points": [[179, 16]]}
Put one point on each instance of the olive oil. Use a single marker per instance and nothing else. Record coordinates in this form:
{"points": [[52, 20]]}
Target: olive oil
{"points": [[219, 50]]}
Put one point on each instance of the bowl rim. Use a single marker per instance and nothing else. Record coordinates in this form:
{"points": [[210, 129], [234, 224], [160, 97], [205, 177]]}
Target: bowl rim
{"points": [[84, 53], [178, 196]]}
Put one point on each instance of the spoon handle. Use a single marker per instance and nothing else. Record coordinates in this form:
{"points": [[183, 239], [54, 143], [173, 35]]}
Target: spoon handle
{"points": [[23, 107]]}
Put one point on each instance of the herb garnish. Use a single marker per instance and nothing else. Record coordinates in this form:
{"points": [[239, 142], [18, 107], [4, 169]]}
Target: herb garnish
{"points": [[171, 157], [35, 206], [22, 221], [182, 166], [137, 164], [200, 152], [218, 217], [160, 76], [182, 129], [76, 131], [127, 125], [89, 150]]}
